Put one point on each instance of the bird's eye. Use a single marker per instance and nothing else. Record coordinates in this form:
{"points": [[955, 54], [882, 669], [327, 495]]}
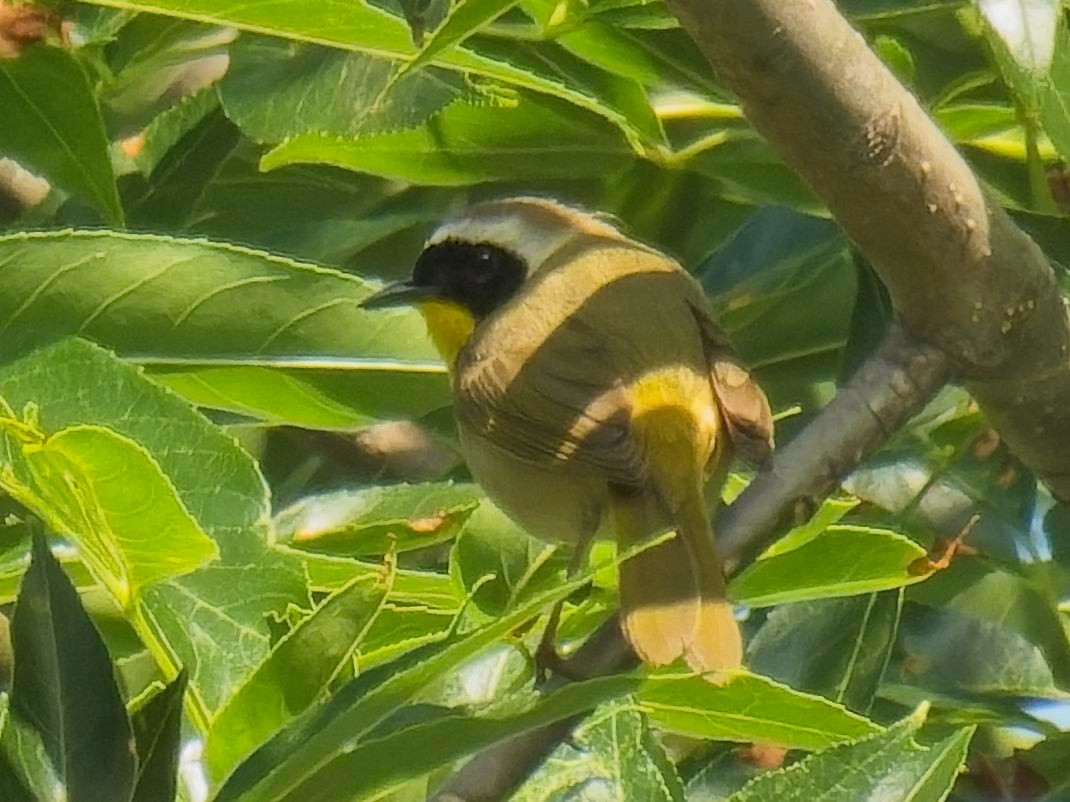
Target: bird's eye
{"points": [[486, 261]]}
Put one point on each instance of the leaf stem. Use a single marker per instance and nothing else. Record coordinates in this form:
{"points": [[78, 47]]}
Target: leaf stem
{"points": [[1038, 179], [516, 31]]}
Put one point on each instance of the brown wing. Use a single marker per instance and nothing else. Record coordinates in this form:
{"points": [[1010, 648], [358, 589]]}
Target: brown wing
{"points": [[562, 403], [743, 404]]}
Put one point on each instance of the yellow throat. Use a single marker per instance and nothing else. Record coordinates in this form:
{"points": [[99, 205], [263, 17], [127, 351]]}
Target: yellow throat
{"points": [[449, 325]]}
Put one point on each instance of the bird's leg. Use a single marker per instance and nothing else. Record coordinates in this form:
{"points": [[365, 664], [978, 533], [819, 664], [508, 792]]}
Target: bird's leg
{"points": [[547, 659]]}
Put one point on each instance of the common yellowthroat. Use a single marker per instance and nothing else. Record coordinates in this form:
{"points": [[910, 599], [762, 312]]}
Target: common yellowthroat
{"points": [[595, 395]]}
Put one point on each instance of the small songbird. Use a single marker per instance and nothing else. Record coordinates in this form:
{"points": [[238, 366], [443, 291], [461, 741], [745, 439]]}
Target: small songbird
{"points": [[595, 396]]}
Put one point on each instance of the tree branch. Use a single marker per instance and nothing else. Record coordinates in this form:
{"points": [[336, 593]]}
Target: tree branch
{"points": [[961, 274], [893, 384]]}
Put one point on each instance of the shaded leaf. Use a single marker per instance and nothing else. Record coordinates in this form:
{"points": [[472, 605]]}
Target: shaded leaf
{"points": [[964, 656], [783, 288], [498, 562], [166, 197], [168, 128], [317, 214], [158, 735], [26, 773], [65, 686], [53, 126], [838, 648]]}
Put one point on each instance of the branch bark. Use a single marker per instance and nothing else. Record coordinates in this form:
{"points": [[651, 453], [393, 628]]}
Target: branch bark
{"points": [[893, 384], [961, 274]]}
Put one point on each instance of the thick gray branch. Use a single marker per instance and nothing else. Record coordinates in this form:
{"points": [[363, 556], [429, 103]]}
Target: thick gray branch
{"points": [[891, 385], [962, 275]]}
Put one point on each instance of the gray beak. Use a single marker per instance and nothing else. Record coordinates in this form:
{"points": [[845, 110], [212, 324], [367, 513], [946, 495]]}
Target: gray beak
{"points": [[400, 293]]}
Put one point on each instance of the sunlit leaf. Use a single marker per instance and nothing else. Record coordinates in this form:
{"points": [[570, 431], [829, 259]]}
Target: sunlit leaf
{"points": [[845, 560], [172, 302], [888, 764], [106, 493], [749, 708]]}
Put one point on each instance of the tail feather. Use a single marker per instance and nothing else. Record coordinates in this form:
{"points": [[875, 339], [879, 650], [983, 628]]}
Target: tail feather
{"points": [[673, 601]]}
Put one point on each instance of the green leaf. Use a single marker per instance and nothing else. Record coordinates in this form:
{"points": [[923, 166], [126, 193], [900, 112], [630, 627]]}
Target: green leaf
{"points": [[879, 10], [53, 126], [275, 90], [158, 735], [748, 708], [838, 648], [1024, 605], [363, 27], [887, 765], [845, 560], [1055, 103], [65, 685], [171, 303], [315, 739], [166, 198], [155, 61], [784, 287], [108, 495], [375, 520], [148, 147], [319, 214], [26, 773], [962, 655], [1026, 28], [463, 19], [297, 673], [214, 620], [537, 138], [654, 58], [498, 563], [749, 172], [614, 751], [328, 573], [382, 764], [402, 628], [830, 512]]}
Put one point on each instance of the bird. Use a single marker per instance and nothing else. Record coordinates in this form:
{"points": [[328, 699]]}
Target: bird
{"points": [[595, 396]]}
